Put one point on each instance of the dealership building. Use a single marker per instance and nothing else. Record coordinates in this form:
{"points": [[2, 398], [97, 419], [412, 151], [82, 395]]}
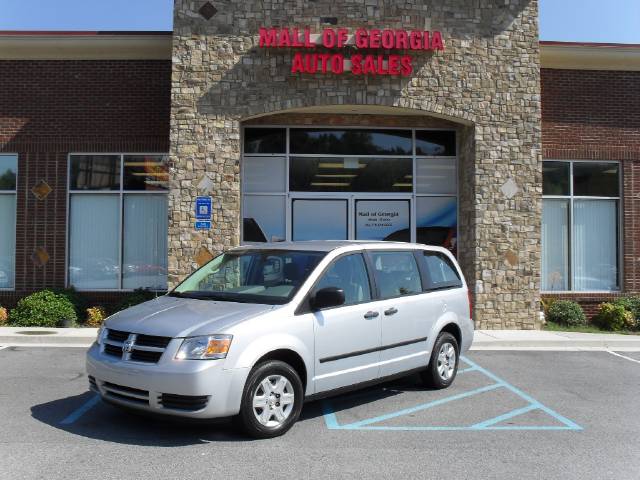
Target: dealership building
{"points": [[128, 159]]}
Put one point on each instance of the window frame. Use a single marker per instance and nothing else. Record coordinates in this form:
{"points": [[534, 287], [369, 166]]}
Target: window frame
{"points": [[13, 192], [619, 231], [289, 194], [121, 192]]}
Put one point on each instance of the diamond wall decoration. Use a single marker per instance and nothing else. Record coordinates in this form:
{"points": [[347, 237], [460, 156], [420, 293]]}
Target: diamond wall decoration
{"points": [[207, 11], [41, 190]]}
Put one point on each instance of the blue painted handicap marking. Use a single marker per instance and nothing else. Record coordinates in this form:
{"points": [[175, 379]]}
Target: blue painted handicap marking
{"points": [[493, 423]]}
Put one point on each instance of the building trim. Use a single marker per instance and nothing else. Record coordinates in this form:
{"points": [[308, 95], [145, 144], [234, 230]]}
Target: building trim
{"points": [[590, 56], [85, 45]]}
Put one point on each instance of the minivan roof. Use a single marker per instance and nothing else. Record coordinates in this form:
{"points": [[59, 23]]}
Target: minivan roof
{"points": [[328, 245]]}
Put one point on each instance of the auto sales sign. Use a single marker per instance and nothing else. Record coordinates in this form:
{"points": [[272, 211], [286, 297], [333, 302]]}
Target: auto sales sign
{"points": [[362, 49]]}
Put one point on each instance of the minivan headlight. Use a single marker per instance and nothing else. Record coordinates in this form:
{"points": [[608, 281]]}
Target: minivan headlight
{"points": [[102, 333], [206, 347]]}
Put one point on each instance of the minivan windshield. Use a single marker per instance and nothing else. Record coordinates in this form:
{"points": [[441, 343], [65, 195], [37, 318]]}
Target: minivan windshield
{"points": [[251, 276]]}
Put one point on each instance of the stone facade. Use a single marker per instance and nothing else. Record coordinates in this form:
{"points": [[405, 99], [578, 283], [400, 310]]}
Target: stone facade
{"points": [[487, 81]]}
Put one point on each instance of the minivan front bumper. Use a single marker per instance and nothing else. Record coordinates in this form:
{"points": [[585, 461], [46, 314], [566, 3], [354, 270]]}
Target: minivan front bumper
{"points": [[187, 388]]}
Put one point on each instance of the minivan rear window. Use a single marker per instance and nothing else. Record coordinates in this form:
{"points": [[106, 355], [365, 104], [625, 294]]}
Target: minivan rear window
{"points": [[441, 272]]}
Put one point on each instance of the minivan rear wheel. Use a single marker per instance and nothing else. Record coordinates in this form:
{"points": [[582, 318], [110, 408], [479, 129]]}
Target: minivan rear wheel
{"points": [[272, 400], [443, 365]]}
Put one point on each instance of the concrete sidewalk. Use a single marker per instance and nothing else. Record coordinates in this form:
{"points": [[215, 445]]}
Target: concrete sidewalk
{"points": [[483, 339]]}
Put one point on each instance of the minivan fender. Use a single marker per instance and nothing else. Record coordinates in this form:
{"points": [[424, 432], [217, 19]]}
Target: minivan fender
{"points": [[270, 343], [444, 320]]}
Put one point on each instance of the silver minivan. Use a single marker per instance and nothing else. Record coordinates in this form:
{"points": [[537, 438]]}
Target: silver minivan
{"points": [[259, 330]]}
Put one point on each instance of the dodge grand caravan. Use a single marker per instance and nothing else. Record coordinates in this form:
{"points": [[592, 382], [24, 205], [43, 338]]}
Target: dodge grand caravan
{"points": [[260, 329]]}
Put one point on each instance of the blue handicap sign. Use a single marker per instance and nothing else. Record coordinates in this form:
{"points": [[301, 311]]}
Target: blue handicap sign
{"points": [[203, 208], [203, 225]]}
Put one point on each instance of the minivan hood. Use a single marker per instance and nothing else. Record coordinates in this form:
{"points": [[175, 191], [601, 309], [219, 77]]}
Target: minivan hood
{"points": [[183, 317]]}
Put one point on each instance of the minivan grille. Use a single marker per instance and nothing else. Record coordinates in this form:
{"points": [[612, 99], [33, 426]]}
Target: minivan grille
{"points": [[144, 348]]}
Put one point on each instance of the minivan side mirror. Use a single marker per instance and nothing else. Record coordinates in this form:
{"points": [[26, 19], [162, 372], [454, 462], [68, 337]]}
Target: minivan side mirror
{"points": [[327, 297]]}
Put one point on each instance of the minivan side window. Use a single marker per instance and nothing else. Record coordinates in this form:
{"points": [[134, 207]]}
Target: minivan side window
{"points": [[396, 273], [350, 274], [441, 272]]}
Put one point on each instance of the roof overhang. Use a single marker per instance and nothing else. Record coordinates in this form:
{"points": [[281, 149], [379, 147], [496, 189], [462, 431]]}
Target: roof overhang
{"points": [[590, 56], [85, 45]]}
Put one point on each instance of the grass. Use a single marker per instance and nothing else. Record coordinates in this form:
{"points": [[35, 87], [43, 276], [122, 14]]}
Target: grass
{"points": [[556, 327]]}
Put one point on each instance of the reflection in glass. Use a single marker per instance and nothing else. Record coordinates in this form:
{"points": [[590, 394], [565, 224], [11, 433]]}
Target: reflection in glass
{"points": [[94, 237], [595, 179], [312, 174], [396, 273], [383, 220], [436, 176], [594, 245], [95, 172], [145, 242], [8, 170], [146, 172], [555, 245], [555, 178], [264, 174], [436, 143], [437, 222], [319, 141], [265, 140], [349, 274], [263, 218], [319, 220]]}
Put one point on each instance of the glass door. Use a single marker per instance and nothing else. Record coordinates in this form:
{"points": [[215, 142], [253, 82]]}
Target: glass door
{"points": [[382, 219], [319, 219]]}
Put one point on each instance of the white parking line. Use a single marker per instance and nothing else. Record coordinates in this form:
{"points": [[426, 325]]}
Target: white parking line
{"points": [[623, 356], [2, 348]]}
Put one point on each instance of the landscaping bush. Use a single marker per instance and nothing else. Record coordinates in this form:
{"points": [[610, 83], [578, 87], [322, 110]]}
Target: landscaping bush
{"points": [[42, 309], [566, 312], [76, 298], [631, 304], [134, 298], [613, 316], [95, 316], [4, 317]]}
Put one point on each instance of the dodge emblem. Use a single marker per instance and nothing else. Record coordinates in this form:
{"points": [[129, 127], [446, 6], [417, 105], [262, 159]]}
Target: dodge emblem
{"points": [[127, 346]]}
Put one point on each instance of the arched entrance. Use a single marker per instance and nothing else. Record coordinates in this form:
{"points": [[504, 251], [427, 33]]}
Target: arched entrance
{"points": [[351, 172]]}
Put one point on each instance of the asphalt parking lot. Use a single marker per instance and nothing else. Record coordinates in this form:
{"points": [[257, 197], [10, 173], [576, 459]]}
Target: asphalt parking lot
{"points": [[524, 414]]}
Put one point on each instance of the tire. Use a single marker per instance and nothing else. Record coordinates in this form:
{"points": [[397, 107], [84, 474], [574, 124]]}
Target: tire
{"points": [[282, 403], [443, 365]]}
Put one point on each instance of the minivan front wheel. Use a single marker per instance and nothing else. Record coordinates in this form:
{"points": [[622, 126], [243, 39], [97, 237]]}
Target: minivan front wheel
{"points": [[272, 400], [443, 365]]}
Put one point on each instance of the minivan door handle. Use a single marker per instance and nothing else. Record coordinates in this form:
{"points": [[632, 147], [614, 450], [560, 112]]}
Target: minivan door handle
{"points": [[371, 314], [391, 311]]}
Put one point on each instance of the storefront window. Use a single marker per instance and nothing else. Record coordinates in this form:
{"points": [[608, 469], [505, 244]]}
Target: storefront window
{"points": [[8, 179], [350, 183], [118, 235], [353, 141], [580, 226], [312, 174]]}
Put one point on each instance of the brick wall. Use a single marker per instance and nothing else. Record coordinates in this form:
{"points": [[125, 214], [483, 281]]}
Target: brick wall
{"points": [[51, 108], [595, 115]]}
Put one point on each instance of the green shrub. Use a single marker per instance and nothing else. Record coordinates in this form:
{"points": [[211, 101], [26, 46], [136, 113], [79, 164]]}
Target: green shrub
{"points": [[42, 309], [613, 316], [631, 304], [566, 312], [76, 298], [139, 295]]}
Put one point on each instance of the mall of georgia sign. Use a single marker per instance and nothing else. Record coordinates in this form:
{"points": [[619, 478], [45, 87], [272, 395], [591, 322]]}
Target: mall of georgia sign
{"points": [[359, 62]]}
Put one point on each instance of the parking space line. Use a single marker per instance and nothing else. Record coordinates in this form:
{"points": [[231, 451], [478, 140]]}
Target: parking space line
{"points": [[81, 410], [332, 422], [424, 406], [623, 356], [506, 416]]}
